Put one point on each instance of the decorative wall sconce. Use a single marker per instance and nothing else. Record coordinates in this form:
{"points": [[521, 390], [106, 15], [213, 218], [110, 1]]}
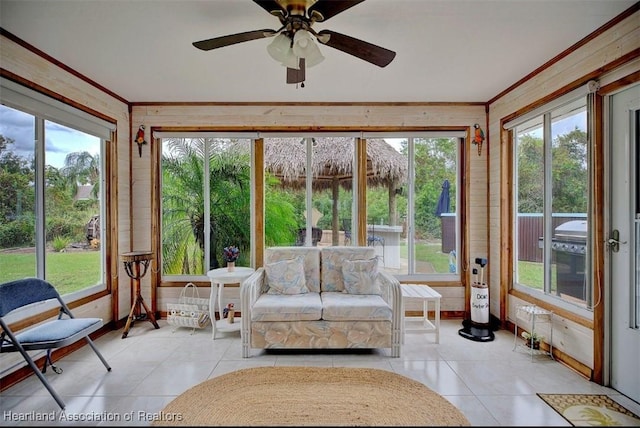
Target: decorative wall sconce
{"points": [[478, 137], [140, 139]]}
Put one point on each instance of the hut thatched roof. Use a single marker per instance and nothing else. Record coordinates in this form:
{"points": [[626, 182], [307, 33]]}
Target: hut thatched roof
{"points": [[332, 161]]}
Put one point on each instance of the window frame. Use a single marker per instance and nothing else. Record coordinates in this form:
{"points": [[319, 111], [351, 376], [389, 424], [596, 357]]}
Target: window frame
{"points": [[45, 107], [160, 137], [461, 133], [547, 112]]}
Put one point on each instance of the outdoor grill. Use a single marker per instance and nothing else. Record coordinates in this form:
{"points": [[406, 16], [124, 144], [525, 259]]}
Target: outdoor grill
{"points": [[569, 246]]}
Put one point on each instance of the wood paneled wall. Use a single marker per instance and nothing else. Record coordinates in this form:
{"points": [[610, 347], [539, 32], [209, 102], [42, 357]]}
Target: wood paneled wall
{"points": [[610, 55], [321, 117]]}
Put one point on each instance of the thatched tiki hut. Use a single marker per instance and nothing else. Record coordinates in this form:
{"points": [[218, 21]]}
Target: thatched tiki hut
{"points": [[332, 167]]}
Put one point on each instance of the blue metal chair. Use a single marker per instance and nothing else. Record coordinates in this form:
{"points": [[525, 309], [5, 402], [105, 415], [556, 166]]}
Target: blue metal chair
{"points": [[373, 239], [48, 336], [346, 226]]}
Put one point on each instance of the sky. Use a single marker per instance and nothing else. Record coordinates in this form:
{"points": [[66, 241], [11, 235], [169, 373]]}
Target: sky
{"points": [[59, 140], [560, 126]]}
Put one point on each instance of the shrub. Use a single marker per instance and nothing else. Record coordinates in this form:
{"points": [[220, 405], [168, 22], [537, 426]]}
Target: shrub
{"points": [[60, 243], [17, 233], [56, 227], [72, 225]]}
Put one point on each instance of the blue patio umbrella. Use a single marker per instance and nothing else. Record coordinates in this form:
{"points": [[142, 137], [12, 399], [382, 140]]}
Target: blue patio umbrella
{"points": [[444, 203]]}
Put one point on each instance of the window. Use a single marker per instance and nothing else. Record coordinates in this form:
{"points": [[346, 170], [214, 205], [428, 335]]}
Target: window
{"points": [[309, 175], [411, 211], [51, 191], [551, 191], [414, 222], [397, 202], [206, 197]]}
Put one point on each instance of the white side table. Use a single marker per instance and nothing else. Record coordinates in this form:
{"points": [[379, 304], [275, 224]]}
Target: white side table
{"points": [[219, 278], [426, 294], [534, 315]]}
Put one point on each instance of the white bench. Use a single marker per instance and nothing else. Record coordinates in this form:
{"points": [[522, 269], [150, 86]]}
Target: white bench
{"points": [[421, 323]]}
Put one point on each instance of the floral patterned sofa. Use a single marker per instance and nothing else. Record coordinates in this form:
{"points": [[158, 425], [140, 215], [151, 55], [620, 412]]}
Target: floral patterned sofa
{"points": [[320, 297]]}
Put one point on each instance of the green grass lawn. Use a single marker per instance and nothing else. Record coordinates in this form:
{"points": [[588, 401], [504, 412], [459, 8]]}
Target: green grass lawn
{"points": [[530, 273], [75, 270], [430, 253], [68, 272]]}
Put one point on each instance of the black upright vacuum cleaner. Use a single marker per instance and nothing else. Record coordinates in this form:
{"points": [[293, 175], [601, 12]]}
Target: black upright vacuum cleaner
{"points": [[478, 328]]}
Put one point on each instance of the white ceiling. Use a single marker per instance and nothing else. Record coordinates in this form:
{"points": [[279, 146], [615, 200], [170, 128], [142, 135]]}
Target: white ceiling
{"points": [[447, 50]]}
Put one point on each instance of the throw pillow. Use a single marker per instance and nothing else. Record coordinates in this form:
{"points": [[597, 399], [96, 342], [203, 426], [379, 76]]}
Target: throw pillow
{"points": [[286, 277], [360, 276]]}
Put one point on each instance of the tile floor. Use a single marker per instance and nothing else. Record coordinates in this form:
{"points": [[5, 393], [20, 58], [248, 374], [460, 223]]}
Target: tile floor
{"points": [[490, 382]]}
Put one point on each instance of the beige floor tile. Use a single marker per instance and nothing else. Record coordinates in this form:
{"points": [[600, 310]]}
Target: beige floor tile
{"points": [[488, 381]]}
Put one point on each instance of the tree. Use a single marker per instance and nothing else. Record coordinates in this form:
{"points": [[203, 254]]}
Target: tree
{"points": [[183, 215], [435, 161], [530, 174], [569, 173], [82, 168], [569, 169], [17, 196], [16, 176], [183, 204]]}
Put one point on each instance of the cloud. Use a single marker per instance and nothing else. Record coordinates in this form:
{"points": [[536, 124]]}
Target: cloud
{"points": [[19, 127], [60, 140]]}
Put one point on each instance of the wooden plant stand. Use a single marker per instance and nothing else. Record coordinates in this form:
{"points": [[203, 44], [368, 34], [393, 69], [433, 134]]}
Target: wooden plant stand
{"points": [[132, 262]]}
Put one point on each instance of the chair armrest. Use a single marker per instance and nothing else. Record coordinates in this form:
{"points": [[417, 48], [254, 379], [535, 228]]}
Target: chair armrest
{"points": [[251, 289], [392, 294], [390, 286]]}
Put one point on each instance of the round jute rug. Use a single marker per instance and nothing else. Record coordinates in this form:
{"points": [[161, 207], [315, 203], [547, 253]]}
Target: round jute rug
{"points": [[296, 396]]}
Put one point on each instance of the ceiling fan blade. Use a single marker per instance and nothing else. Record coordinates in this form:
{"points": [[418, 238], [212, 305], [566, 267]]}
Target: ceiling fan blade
{"points": [[232, 39], [330, 8], [270, 6], [358, 48]]}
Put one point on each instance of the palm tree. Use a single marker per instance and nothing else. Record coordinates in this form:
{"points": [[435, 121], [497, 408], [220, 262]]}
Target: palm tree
{"points": [[82, 168], [183, 202]]}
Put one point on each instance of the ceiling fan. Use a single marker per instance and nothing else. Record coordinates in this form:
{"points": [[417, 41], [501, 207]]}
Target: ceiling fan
{"points": [[293, 45]]}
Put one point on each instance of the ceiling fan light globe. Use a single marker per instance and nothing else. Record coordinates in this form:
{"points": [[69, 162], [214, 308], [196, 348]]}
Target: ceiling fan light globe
{"points": [[302, 40], [304, 47], [291, 60], [313, 56], [280, 48]]}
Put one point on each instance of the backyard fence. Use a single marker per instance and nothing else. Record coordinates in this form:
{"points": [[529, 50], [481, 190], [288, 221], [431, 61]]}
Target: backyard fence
{"points": [[530, 230]]}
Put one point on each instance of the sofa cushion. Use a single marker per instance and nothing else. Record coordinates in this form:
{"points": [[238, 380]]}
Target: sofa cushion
{"points": [[321, 334], [286, 276], [294, 307], [361, 276], [338, 306], [332, 260], [311, 262]]}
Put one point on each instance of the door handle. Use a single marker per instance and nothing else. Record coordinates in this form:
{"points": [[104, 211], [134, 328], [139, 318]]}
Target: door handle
{"points": [[614, 241]]}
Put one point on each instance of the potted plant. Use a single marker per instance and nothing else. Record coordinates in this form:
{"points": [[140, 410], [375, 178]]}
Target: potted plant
{"points": [[230, 255], [532, 340]]}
